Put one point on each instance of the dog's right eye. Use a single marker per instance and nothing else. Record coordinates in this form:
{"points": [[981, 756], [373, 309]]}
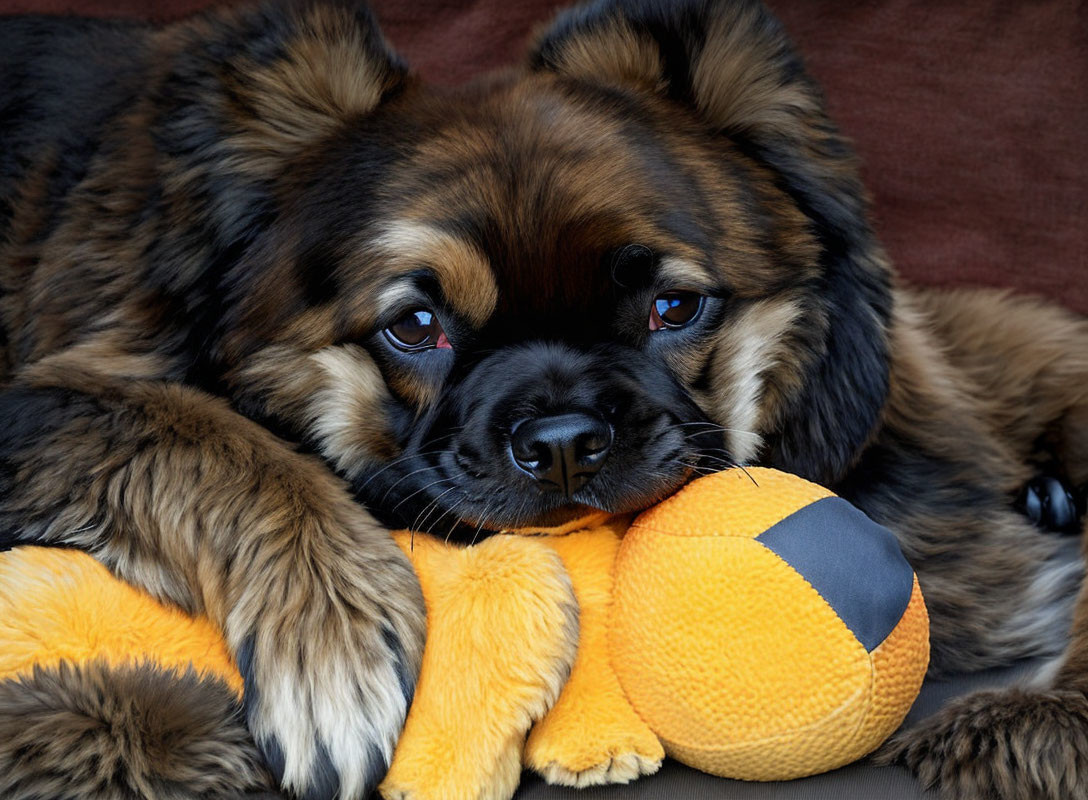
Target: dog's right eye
{"points": [[418, 329], [675, 309]]}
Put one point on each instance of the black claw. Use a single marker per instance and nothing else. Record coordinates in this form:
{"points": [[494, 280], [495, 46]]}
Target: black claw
{"points": [[1052, 505]]}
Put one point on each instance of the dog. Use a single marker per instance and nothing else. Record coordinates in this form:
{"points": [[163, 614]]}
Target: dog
{"points": [[263, 295]]}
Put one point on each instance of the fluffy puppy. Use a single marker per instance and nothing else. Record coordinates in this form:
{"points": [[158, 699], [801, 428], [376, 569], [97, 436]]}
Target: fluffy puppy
{"points": [[248, 251]]}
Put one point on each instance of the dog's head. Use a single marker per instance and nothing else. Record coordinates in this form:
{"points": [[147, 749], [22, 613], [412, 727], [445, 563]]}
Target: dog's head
{"points": [[568, 287]]}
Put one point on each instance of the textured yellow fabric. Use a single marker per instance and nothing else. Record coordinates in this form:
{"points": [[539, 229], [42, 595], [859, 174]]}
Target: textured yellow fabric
{"points": [[62, 605], [502, 632], [592, 735], [741, 503], [732, 658], [897, 678]]}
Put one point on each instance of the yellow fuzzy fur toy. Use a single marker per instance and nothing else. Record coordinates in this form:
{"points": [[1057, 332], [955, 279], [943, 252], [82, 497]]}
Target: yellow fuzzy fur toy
{"points": [[753, 625]]}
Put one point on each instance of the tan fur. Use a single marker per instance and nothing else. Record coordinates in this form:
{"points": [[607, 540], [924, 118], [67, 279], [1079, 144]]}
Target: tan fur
{"points": [[326, 77], [734, 87], [748, 358], [463, 271], [617, 54]]}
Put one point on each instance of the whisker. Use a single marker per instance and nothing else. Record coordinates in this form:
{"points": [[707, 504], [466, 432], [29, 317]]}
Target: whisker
{"points": [[723, 463], [728, 463], [480, 526], [414, 526], [456, 519], [399, 459], [427, 451], [711, 426], [417, 491], [431, 507], [749, 474], [403, 478]]}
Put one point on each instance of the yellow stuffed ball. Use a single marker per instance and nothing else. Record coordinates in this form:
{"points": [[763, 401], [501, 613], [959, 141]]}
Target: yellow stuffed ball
{"points": [[764, 628]]}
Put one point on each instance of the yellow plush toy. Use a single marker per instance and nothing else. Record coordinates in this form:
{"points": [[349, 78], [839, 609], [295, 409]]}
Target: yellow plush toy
{"points": [[753, 626]]}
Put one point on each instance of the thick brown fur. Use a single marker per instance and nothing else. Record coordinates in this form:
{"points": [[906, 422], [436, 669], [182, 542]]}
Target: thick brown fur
{"points": [[209, 228], [116, 733]]}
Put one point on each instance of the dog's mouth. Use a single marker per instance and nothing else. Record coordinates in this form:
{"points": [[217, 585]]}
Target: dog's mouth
{"points": [[452, 492]]}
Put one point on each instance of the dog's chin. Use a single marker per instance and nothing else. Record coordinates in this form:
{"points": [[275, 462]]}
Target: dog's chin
{"points": [[556, 520], [462, 520]]}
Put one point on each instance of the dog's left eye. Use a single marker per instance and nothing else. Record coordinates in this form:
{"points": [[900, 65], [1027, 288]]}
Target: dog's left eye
{"points": [[418, 329], [675, 310]]}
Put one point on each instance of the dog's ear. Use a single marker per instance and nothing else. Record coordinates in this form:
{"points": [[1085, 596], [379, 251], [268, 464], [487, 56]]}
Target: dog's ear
{"points": [[732, 64], [241, 104], [244, 92]]}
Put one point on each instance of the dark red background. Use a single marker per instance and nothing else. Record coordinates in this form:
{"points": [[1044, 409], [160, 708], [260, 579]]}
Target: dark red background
{"points": [[971, 117]]}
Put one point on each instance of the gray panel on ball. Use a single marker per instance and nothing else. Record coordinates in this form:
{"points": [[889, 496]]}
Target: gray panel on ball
{"points": [[854, 563]]}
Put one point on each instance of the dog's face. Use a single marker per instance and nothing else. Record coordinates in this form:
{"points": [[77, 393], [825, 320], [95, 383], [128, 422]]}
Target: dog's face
{"points": [[574, 286], [556, 283]]}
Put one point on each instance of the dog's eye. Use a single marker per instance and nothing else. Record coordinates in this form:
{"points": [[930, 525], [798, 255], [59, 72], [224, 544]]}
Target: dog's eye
{"points": [[418, 329], [675, 310]]}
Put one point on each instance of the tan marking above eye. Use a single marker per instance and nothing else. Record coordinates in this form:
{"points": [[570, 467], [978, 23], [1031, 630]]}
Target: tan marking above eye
{"points": [[748, 357], [685, 273], [462, 270]]}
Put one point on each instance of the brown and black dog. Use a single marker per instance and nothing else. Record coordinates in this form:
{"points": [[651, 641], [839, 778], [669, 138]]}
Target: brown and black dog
{"points": [[252, 271]]}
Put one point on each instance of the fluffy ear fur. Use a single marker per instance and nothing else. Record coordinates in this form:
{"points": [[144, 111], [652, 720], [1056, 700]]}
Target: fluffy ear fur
{"points": [[731, 61], [241, 100], [249, 89]]}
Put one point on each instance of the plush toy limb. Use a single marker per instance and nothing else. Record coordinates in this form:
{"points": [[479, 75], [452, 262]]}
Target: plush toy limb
{"points": [[592, 735], [502, 630]]}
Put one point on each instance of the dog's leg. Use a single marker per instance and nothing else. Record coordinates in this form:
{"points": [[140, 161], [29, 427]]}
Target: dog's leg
{"points": [[180, 495], [1021, 743], [99, 732], [1028, 364]]}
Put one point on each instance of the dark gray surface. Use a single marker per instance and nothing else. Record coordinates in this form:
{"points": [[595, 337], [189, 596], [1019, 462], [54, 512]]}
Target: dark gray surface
{"points": [[858, 781]]}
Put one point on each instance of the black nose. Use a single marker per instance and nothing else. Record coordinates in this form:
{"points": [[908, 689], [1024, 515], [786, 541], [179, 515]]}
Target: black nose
{"points": [[563, 451]]}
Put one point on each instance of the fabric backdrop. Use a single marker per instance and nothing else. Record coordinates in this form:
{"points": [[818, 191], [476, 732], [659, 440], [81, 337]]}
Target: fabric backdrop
{"points": [[971, 117]]}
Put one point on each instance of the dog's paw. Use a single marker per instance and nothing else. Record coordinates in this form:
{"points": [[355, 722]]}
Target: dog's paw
{"points": [[330, 667], [1008, 744]]}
